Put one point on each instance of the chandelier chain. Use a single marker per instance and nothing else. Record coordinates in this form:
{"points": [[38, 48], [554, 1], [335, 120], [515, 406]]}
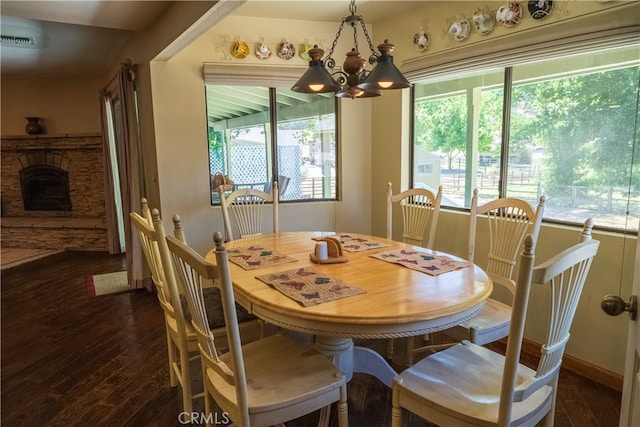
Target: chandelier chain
{"points": [[352, 7], [355, 38], [335, 41], [374, 57]]}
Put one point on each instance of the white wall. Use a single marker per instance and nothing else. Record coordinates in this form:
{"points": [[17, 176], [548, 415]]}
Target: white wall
{"points": [[50, 99]]}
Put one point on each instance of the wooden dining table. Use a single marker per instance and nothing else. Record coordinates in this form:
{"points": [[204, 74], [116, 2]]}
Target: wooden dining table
{"points": [[397, 301]]}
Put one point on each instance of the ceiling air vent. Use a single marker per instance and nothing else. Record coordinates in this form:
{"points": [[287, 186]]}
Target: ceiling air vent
{"points": [[17, 41]]}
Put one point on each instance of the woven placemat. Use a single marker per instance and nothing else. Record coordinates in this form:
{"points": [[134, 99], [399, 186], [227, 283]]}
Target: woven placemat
{"points": [[422, 261], [253, 257], [356, 242], [309, 287]]}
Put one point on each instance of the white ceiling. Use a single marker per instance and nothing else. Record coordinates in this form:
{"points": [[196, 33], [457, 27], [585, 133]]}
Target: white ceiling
{"points": [[72, 38], [81, 38], [371, 11]]}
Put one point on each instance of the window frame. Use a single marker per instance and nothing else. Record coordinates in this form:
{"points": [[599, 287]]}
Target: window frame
{"points": [[272, 85], [623, 38]]}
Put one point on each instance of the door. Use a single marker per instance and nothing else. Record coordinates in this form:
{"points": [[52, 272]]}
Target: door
{"points": [[124, 170], [114, 127], [630, 409]]}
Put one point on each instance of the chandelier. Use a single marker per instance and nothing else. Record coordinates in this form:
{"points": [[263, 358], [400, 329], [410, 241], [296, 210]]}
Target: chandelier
{"points": [[353, 80]]}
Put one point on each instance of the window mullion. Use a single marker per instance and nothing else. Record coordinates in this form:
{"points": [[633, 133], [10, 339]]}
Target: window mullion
{"points": [[273, 118], [472, 150], [506, 122]]}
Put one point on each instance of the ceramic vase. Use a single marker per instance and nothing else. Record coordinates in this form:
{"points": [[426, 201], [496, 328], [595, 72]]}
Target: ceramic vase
{"points": [[34, 127]]}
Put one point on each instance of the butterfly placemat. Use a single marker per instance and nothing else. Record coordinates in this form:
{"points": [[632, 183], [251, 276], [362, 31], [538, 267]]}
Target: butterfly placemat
{"points": [[257, 256], [309, 287], [422, 261], [356, 242]]}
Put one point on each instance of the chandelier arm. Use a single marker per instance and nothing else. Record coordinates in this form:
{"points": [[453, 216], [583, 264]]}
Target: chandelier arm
{"points": [[340, 77]]}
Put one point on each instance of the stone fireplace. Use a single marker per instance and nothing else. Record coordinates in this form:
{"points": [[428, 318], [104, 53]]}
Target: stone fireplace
{"points": [[53, 192]]}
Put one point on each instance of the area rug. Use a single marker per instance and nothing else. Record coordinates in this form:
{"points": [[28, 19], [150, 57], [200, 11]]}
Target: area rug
{"points": [[107, 284]]}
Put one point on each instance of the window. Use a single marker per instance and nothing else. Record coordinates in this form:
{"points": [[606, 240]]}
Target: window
{"points": [[570, 133], [258, 134]]}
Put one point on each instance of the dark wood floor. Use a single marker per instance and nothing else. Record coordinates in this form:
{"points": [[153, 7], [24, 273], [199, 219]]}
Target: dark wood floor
{"points": [[68, 360]]}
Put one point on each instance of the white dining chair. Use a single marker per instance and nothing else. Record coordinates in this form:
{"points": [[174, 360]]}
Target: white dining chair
{"points": [[420, 210], [469, 384], [182, 343], [263, 383], [507, 220], [247, 205], [181, 339], [251, 328]]}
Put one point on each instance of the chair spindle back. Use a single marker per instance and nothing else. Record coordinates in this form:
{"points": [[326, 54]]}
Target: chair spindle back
{"points": [[420, 207], [247, 205]]}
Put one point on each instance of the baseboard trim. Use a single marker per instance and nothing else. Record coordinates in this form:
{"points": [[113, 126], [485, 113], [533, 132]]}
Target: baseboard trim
{"points": [[580, 367]]}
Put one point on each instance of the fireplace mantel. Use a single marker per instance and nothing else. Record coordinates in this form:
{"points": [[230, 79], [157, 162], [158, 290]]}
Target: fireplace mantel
{"points": [[50, 142]]}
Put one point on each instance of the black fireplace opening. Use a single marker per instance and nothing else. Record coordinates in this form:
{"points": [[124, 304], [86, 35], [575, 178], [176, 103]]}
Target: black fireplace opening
{"points": [[45, 188]]}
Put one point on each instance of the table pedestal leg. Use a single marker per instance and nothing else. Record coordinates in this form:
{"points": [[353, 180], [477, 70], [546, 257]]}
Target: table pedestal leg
{"points": [[339, 351], [371, 362], [350, 359]]}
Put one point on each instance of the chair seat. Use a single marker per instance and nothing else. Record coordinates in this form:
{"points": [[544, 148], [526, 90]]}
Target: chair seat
{"points": [[464, 383], [282, 371], [491, 324]]}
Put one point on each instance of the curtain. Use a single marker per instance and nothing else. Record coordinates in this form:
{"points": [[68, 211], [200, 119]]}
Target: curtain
{"points": [[124, 175]]}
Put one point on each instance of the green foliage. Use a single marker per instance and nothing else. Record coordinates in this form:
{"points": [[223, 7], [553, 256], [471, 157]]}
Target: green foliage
{"points": [[586, 125], [215, 142], [441, 125], [309, 132]]}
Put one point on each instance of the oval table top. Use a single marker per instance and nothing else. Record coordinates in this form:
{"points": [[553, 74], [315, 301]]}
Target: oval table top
{"points": [[398, 302]]}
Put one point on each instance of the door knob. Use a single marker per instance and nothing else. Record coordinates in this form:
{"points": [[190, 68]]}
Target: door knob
{"points": [[613, 305]]}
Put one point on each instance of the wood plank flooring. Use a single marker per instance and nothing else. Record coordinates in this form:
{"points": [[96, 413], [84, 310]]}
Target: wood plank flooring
{"points": [[68, 360]]}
